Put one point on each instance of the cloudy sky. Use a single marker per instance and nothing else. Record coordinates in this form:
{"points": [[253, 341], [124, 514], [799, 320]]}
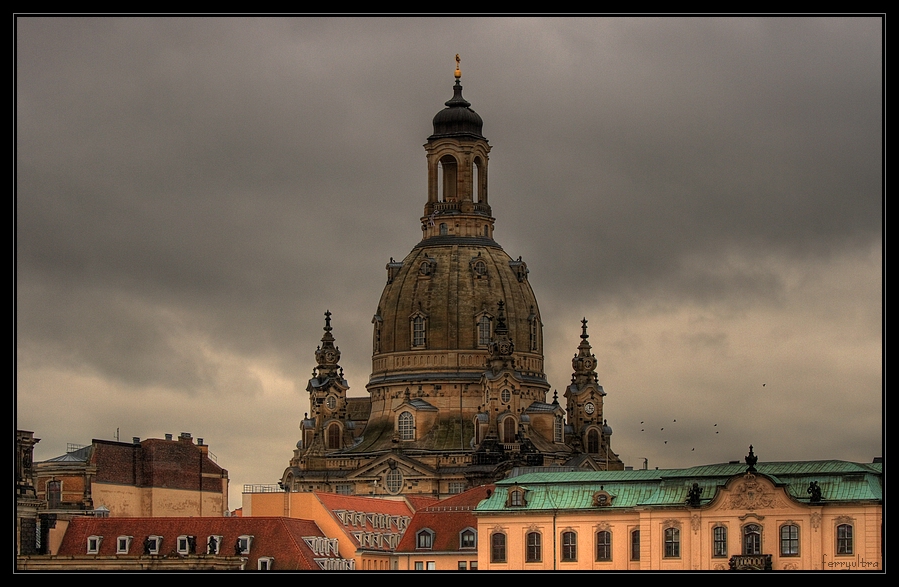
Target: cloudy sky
{"points": [[193, 193]]}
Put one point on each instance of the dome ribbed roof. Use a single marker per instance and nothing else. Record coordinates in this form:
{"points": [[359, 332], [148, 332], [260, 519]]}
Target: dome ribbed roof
{"points": [[457, 119]]}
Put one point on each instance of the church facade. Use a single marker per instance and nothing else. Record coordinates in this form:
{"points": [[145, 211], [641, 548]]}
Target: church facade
{"points": [[457, 395]]}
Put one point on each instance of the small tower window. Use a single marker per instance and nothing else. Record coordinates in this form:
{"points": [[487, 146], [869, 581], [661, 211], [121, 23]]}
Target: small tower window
{"points": [[443, 229]]}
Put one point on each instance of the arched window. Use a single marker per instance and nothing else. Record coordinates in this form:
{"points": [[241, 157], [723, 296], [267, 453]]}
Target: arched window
{"points": [[635, 545], [497, 547], [604, 545], [844, 539], [419, 331], [405, 425], [593, 440], [509, 429], [484, 331], [533, 551], [443, 229], [334, 435], [569, 546], [672, 543], [789, 540], [752, 539], [719, 541], [448, 167], [559, 430]]}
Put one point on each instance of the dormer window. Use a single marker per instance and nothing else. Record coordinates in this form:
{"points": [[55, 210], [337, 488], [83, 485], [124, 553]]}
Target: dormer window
{"points": [[468, 538], [123, 544], [419, 327], [424, 539], [213, 544], [602, 498], [187, 544], [265, 563], [93, 544], [516, 498], [243, 544], [152, 544]]}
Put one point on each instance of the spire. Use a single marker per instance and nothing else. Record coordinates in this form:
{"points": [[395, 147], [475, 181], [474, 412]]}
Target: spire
{"points": [[327, 355], [584, 362], [457, 119]]}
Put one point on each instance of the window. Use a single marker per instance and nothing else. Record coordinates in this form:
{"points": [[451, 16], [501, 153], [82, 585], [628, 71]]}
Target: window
{"points": [[473, 565], [456, 487], [604, 545], [509, 426], [432, 565], [344, 489], [123, 544], [484, 330], [844, 539], [334, 435], [752, 539], [532, 331], [93, 544], [265, 563], [592, 441], [463, 566], [424, 539], [468, 538], [558, 430], [569, 546], [516, 498], [635, 545], [672, 543], [54, 494], [533, 552], [406, 426], [187, 544], [505, 395], [419, 565], [213, 543], [479, 268], [719, 541], [418, 332], [443, 229], [497, 547], [243, 544], [152, 544], [394, 481], [789, 540]]}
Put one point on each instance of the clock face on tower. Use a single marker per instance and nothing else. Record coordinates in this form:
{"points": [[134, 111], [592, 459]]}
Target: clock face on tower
{"points": [[331, 402], [589, 408]]}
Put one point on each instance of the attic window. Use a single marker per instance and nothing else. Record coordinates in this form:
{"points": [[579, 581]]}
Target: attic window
{"points": [[152, 544], [602, 499], [187, 544], [516, 498], [123, 544], [213, 544], [265, 563], [468, 538], [424, 539], [93, 544], [243, 544]]}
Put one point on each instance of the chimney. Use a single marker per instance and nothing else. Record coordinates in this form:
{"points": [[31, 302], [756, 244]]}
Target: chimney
{"points": [[135, 440], [185, 437], [168, 436]]}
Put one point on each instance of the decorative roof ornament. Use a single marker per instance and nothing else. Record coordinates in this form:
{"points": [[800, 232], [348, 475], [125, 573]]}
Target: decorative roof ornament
{"points": [[751, 460]]}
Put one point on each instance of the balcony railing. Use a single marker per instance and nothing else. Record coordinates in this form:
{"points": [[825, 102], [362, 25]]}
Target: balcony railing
{"points": [[750, 562]]}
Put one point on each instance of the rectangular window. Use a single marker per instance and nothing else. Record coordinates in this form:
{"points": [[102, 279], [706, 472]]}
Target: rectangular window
{"points": [[672, 543], [569, 546], [533, 551], [93, 544], [844, 539], [123, 544], [473, 565], [54, 494], [419, 566], [432, 566], [789, 540], [498, 548], [635, 545], [463, 566], [719, 541], [603, 546]]}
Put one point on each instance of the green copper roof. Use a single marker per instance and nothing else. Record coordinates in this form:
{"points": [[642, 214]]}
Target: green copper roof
{"points": [[840, 481]]}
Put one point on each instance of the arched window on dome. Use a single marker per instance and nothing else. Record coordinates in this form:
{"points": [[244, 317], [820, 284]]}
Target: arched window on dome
{"points": [[419, 330], [484, 331], [405, 426]]}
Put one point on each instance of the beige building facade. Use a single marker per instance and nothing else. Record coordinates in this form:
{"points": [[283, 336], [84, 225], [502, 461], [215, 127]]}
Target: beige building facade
{"points": [[813, 516]]}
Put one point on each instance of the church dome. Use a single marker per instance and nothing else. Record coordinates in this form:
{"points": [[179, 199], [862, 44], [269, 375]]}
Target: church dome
{"points": [[457, 119]]}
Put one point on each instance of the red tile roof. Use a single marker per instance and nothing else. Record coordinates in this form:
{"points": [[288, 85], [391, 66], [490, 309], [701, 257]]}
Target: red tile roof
{"points": [[280, 538], [446, 519]]}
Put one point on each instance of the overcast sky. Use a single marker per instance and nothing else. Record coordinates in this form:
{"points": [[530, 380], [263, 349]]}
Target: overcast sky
{"points": [[193, 193]]}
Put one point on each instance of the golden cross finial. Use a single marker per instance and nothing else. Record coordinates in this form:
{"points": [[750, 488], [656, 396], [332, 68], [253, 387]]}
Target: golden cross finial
{"points": [[458, 69]]}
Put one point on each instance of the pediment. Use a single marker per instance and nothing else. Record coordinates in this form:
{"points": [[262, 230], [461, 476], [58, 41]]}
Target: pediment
{"points": [[411, 468], [750, 492]]}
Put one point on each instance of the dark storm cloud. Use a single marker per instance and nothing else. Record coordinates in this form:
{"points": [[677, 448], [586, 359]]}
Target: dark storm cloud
{"points": [[193, 193]]}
